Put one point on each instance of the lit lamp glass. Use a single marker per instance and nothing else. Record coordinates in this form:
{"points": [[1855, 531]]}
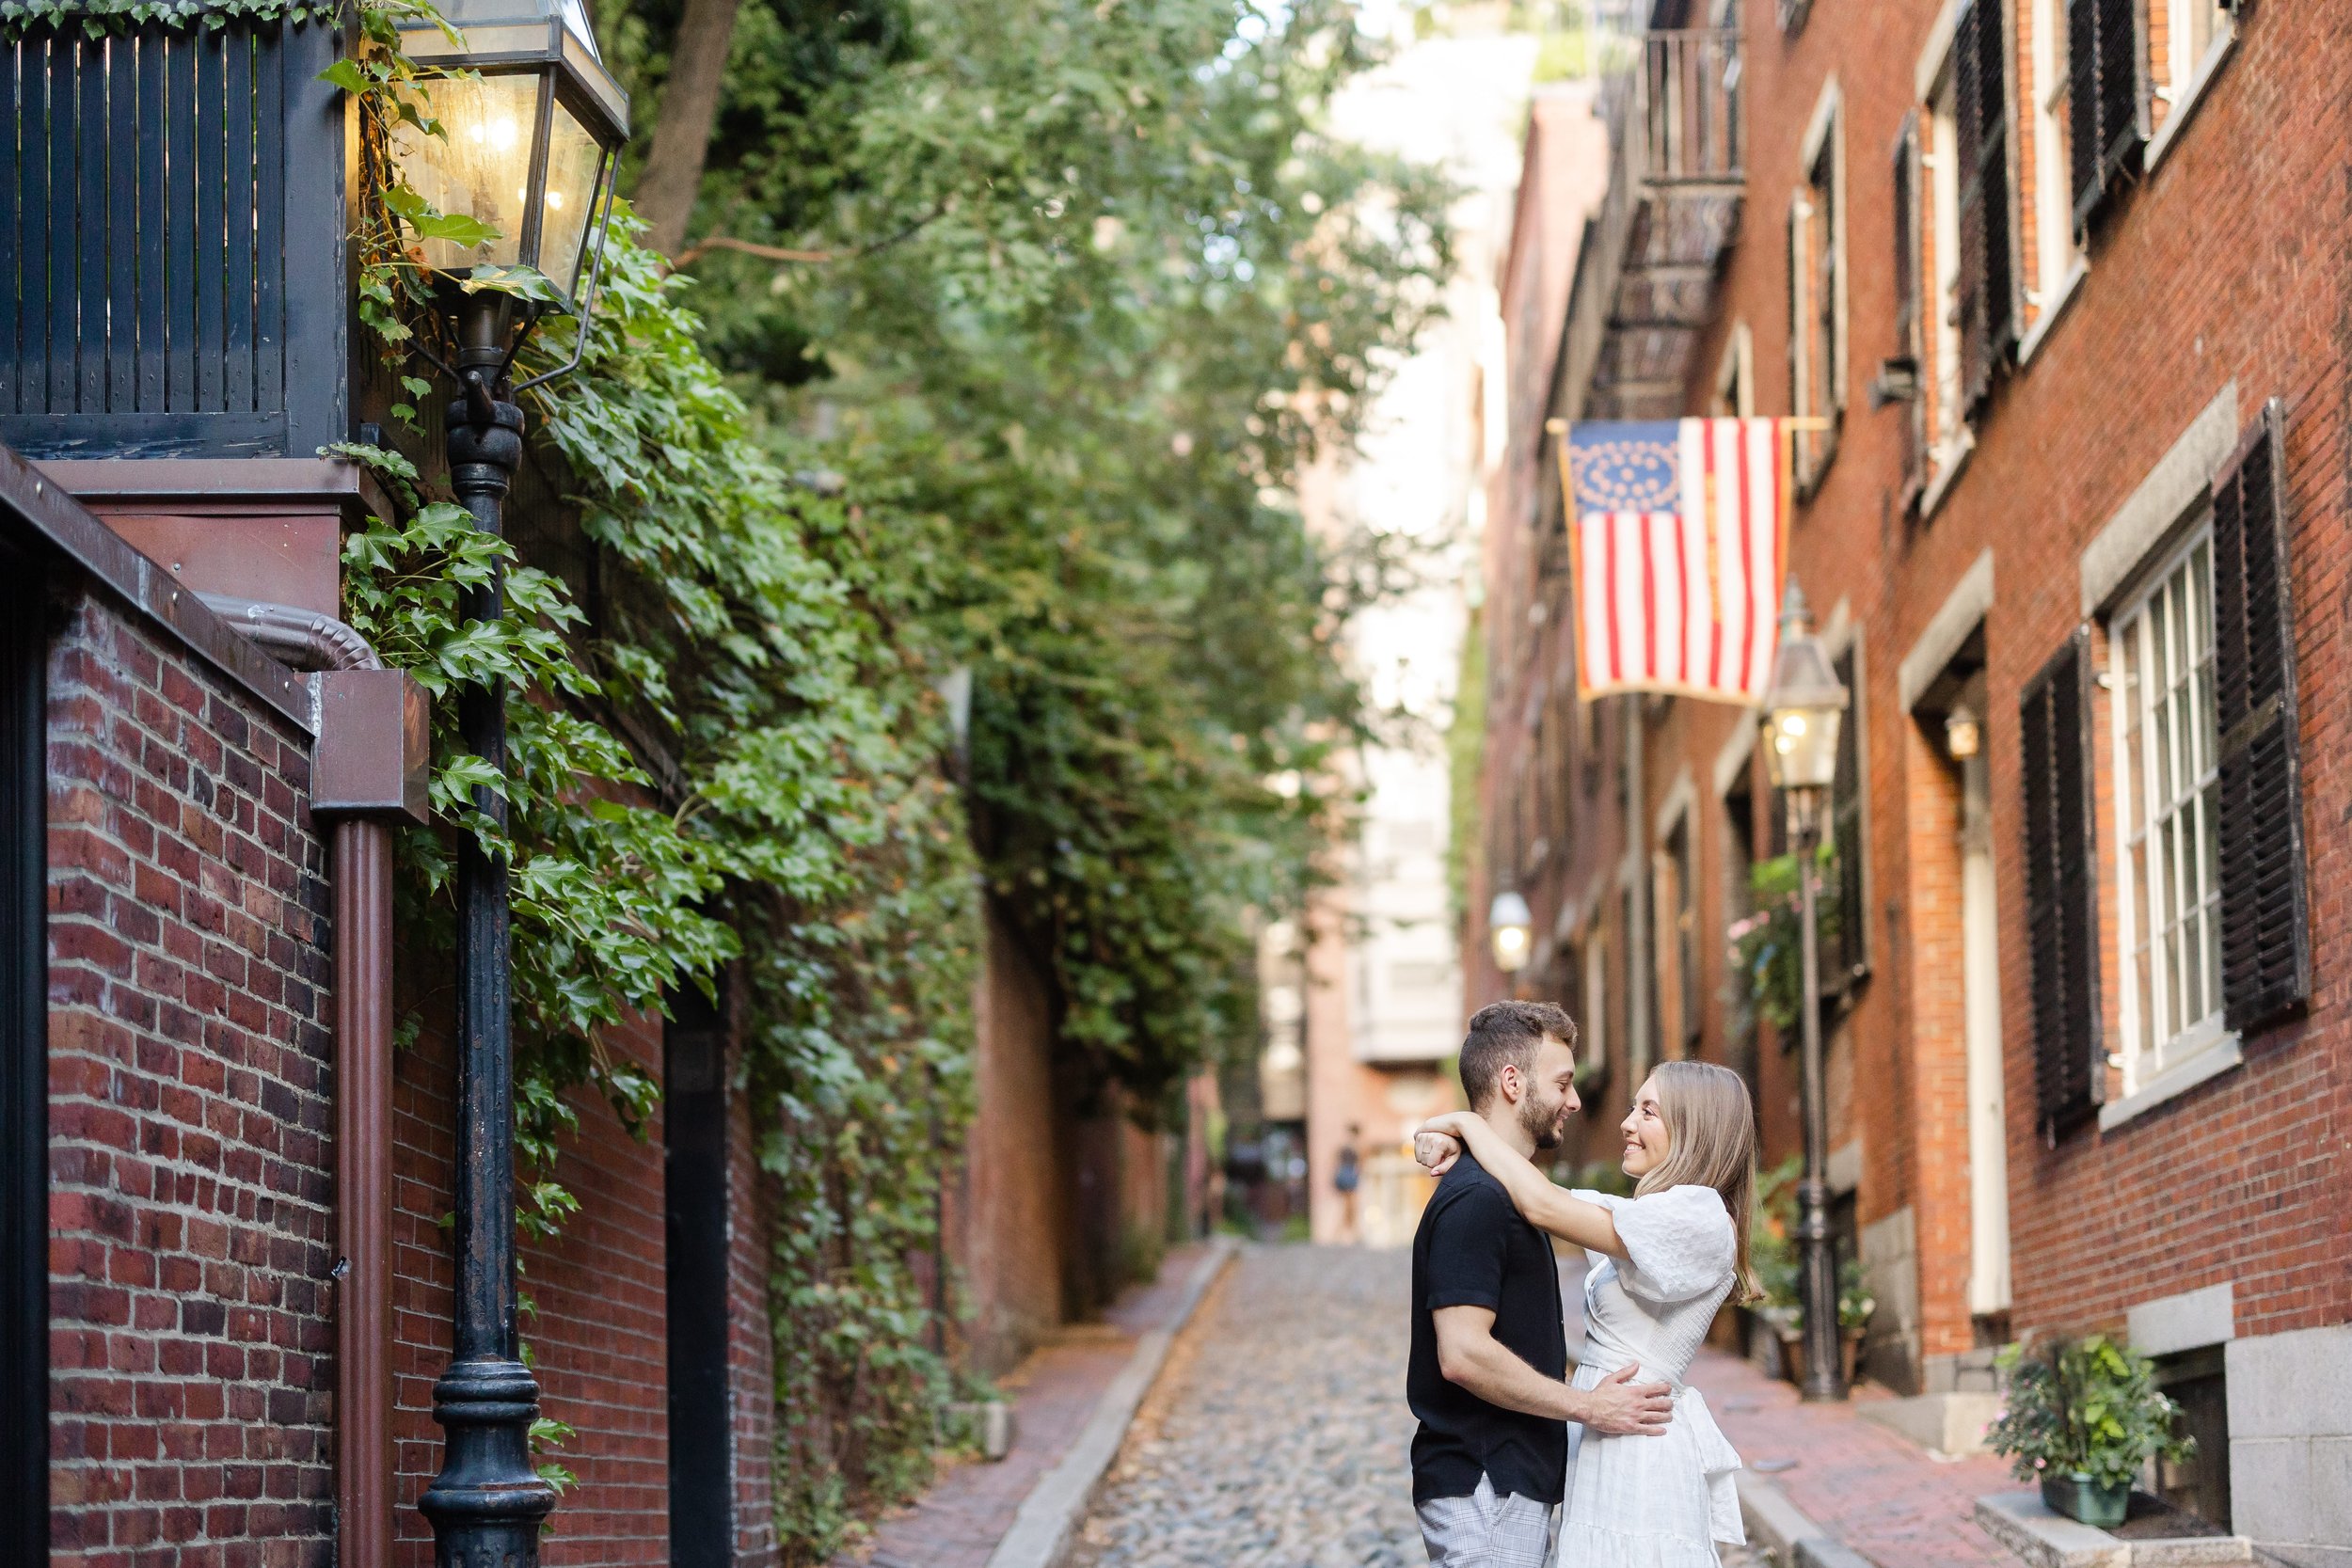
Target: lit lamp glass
{"points": [[530, 141], [1803, 709], [1963, 733], [1512, 928]]}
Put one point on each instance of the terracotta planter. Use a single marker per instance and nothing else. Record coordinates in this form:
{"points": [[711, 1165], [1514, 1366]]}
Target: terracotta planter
{"points": [[2079, 1499], [1851, 1341]]}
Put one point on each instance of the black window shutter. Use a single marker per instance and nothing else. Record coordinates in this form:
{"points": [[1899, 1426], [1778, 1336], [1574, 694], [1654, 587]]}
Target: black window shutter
{"points": [[1988, 302], [1907, 309], [2265, 915], [2106, 51], [1849, 952], [2061, 888]]}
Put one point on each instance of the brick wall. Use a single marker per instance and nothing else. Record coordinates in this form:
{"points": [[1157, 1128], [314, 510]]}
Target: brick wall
{"points": [[2226, 262], [191, 1233], [598, 1336], [750, 1344]]}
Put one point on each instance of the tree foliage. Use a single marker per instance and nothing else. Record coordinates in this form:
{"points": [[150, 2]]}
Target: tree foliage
{"points": [[1099, 291]]}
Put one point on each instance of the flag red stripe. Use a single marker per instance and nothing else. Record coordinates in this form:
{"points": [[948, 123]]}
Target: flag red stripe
{"points": [[1650, 601], [1714, 589], [1609, 545], [1747, 566]]}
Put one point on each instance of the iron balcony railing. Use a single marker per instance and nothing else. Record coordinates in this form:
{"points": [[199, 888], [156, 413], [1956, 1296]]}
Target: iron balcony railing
{"points": [[1671, 101]]}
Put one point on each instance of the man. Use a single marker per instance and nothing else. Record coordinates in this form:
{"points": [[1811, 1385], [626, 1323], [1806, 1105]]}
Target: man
{"points": [[1491, 1353]]}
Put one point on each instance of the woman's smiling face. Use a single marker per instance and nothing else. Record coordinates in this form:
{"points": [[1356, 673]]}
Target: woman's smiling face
{"points": [[1644, 1129]]}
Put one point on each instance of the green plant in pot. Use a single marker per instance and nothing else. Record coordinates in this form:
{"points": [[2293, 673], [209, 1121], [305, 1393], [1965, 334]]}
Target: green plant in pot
{"points": [[2084, 1418]]}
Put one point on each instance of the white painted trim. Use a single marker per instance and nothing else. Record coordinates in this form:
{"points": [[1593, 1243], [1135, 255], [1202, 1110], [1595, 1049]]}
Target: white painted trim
{"points": [[2177, 484], [1837, 631], [2225, 1056], [1948, 468], [1732, 761], [1967, 605], [1681, 797], [2183, 104], [2189, 1320], [1817, 128], [1935, 51], [2051, 309], [1736, 372]]}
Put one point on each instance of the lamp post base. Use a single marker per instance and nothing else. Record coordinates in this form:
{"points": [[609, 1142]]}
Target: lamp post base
{"points": [[487, 1503]]}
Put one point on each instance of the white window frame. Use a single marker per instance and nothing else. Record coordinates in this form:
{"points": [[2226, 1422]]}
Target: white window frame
{"points": [[1824, 138], [1948, 435], [2144, 1059], [2188, 69], [1735, 375], [2059, 261]]}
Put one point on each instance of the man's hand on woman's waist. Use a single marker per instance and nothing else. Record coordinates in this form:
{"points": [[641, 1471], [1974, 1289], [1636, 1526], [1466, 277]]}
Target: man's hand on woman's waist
{"points": [[1620, 1407]]}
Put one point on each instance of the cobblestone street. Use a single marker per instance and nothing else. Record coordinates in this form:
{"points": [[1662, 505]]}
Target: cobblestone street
{"points": [[1276, 1437]]}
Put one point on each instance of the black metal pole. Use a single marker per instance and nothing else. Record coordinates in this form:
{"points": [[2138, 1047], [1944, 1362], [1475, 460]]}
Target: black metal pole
{"points": [[1824, 1358], [487, 1504]]}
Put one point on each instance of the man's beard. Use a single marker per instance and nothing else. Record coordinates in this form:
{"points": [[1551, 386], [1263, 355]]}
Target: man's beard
{"points": [[1541, 1122]]}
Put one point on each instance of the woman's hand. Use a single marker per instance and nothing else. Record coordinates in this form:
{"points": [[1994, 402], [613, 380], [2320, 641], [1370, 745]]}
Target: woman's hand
{"points": [[1439, 1141]]}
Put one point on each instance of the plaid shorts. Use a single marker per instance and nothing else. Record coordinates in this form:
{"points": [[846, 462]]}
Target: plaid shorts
{"points": [[1483, 1530]]}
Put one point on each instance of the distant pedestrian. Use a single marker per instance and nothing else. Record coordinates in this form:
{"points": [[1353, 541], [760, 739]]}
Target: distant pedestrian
{"points": [[1488, 1368], [1662, 1263], [1347, 1177]]}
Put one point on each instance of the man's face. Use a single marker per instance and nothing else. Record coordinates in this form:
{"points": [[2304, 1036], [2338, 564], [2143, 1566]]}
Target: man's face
{"points": [[1551, 1097]]}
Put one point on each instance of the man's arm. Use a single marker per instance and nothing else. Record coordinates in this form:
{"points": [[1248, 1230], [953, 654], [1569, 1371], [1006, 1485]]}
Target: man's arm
{"points": [[1470, 1356]]}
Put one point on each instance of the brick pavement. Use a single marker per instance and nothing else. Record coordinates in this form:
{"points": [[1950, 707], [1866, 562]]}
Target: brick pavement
{"points": [[1878, 1492], [957, 1522]]}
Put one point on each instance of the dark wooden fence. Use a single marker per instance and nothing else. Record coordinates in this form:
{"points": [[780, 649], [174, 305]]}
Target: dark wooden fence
{"points": [[173, 259]]}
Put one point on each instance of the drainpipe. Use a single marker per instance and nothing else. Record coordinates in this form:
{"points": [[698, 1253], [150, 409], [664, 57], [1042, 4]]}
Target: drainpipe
{"points": [[367, 771]]}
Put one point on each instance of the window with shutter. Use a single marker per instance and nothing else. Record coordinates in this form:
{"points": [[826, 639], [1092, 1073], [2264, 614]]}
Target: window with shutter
{"points": [[2265, 935], [2106, 51], [1909, 288], [2167, 921], [1847, 954], [2061, 890], [1817, 347], [1987, 302]]}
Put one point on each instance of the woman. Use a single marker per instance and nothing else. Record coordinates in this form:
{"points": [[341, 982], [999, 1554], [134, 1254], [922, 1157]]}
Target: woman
{"points": [[1662, 1263]]}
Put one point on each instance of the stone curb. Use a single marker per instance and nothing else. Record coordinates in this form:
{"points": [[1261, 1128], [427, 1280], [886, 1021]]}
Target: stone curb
{"points": [[1783, 1529], [1047, 1525]]}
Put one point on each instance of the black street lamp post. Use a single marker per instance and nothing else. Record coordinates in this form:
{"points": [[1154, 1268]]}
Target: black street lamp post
{"points": [[1802, 712], [532, 128]]}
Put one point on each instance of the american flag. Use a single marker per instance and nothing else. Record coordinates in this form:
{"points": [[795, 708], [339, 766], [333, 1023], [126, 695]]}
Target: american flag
{"points": [[1675, 541]]}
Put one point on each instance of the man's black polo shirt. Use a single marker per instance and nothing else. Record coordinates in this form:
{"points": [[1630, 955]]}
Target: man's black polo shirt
{"points": [[1475, 1250]]}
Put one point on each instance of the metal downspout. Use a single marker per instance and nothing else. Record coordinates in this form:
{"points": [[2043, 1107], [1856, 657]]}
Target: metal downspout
{"points": [[362, 876]]}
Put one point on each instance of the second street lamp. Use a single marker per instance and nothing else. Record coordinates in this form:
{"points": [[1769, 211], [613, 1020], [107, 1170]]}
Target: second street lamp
{"points": [[1512, 929], [1803, 713], [533, 122]]}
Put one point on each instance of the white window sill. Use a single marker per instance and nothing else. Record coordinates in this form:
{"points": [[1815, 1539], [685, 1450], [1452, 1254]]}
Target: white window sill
{"points": [[2218, 1058], [2184, 104], [1945, 465], [2052, 305]]}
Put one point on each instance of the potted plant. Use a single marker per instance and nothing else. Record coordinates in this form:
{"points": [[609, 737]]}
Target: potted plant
{"points": [[2083, 1417], [1774, 1258], [1854, 1305]]}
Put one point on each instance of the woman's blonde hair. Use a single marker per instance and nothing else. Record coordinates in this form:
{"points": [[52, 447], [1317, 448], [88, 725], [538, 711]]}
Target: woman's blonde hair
{"points": [[1710, 1142]]}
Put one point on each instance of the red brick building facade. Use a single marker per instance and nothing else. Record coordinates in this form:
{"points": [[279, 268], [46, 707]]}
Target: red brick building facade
{"points": [[2076, 306]]}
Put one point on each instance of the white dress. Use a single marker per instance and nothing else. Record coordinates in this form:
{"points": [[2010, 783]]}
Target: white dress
{"points": [[1654, 1502]]}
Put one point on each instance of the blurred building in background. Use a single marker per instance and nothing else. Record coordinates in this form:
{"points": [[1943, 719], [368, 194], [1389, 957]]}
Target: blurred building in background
{"points": [[1380, 994], [2066, 281]]}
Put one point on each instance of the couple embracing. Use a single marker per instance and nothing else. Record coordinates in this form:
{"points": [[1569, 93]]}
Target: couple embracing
{"points": [[1507, 1435]]}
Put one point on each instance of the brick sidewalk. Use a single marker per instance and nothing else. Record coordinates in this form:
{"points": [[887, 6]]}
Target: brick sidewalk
{"points": [[1877, 1492], [958, 1523]]}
